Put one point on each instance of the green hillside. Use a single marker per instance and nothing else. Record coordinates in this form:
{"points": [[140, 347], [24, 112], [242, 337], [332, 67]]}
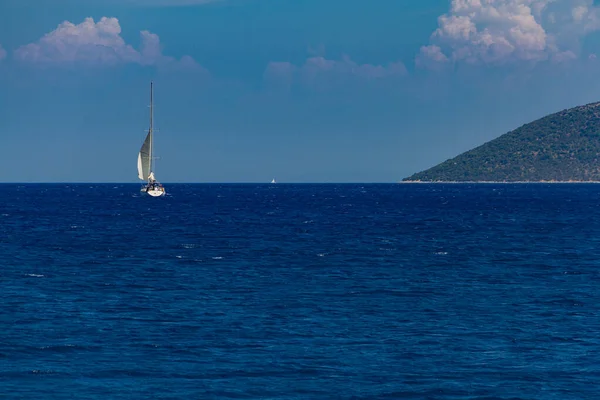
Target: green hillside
{"points": [[564, 146]]}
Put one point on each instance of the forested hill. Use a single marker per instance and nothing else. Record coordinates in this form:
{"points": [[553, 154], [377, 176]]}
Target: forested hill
{"points": [[564, 146]]}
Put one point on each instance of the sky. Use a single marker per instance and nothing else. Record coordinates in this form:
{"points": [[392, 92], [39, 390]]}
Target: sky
{"points": [[296, 90]]}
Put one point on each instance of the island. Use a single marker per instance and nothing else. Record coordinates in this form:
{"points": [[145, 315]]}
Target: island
{"points": [[561, 147]]}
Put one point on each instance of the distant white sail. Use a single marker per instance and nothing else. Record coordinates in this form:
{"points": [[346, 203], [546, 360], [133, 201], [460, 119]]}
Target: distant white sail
{"points": [[144, 158]]}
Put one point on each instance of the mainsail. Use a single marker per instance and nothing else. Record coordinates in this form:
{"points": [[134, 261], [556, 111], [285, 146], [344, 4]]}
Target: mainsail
{"points": [[145, 158], [145, 162]]}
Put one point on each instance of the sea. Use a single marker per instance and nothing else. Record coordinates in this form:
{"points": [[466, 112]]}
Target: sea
{"points": [[300, 291]]}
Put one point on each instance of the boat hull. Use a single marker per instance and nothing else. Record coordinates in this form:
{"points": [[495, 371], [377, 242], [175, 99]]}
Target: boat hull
{"points": [[155, 192]]}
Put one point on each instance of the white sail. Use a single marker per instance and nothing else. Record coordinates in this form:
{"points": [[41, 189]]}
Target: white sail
{"points": [[144, 162], [145, 158]]}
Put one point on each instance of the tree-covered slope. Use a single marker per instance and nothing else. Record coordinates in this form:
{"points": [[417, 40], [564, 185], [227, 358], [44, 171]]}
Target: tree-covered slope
{"points": [[564, 146]]}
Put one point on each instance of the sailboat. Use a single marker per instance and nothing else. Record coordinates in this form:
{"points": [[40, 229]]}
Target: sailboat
{"points": [[273, 181], [145, 161]]}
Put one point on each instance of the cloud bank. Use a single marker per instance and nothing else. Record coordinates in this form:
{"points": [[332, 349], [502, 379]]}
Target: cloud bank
{"points": [[497, 32], [320, 69], [99, 44]]}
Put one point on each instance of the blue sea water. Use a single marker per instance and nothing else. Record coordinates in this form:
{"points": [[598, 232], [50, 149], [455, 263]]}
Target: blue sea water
{"points": [[411, 291]]}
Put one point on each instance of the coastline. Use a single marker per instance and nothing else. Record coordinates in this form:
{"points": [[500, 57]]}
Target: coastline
{"points": [[497, 182]]}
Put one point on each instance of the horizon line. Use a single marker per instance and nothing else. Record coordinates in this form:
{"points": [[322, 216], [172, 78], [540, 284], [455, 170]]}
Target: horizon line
{"points": [[299, 183], [195, 183]]}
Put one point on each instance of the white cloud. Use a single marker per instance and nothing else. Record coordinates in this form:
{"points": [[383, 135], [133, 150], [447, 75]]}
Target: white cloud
{"points": [[97, 43], [320, 69], [506, 31], [2, 53], [579, 13], [431, 57]]}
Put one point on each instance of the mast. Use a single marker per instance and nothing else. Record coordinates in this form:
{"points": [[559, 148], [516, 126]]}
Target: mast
{"points": [[151, 128]]}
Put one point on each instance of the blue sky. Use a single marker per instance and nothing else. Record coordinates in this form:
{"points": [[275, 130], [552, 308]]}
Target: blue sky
{"points": [[299, 90]]}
